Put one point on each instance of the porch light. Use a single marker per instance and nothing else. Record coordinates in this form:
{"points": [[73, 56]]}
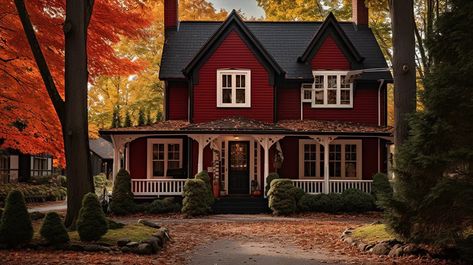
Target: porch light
{"points": [[237, 137]]}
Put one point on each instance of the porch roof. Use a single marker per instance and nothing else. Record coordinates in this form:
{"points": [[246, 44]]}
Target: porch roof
{"points": [[242, 125]]}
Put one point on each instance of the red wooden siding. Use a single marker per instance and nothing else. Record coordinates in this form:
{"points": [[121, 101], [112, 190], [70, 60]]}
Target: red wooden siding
{"points": [[365, 108], [170, 14], [138, 158], [177, 100], [233, 53], [330, 57], [290, 166], [289, 102], [370, 157], [208, 157]]}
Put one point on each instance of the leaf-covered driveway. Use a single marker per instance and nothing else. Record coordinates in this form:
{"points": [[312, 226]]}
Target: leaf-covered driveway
{"points": [[315, 234]]}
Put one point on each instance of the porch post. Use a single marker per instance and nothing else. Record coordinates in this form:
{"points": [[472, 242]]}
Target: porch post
{"points": [[325, 141], [266, 142], [203, 140], [116, 157]]}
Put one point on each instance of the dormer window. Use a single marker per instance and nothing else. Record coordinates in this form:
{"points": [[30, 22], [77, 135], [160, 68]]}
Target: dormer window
{"points": [[329, 90], [233, 88]]}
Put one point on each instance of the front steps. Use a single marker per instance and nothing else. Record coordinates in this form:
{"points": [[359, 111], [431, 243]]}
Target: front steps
{"points": [[241, 204]]}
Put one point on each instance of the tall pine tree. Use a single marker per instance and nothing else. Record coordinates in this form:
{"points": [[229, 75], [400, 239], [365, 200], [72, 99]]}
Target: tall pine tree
{"points": [[433, 202]]}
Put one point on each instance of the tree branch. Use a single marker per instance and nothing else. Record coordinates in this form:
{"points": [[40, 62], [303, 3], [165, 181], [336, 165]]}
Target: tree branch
{"points": [[53, 93], [88, 12], [8, 60], [422, 52]]}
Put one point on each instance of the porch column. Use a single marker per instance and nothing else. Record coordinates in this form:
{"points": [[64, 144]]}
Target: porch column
{"points": [[266, 142], [116, 156], [325, 142], [203, 141]]}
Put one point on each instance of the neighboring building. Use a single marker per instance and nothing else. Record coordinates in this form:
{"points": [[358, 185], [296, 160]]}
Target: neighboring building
{"points": [[246, 98], [18, 167], [101, 156]]}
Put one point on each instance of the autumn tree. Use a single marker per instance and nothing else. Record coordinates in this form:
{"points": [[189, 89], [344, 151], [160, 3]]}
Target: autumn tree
{"points": [[54, 119], [142, 90]]}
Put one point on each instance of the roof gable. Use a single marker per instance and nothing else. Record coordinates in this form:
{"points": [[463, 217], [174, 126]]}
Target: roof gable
{"points": [[233, 22], [332, 28]]}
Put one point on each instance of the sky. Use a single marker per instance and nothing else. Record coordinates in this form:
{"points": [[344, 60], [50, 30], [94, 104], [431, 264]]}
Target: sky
{"points": [[249, 7]]}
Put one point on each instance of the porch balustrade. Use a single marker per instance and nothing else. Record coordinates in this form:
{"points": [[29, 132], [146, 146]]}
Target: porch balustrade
{"points": [[157, 187], [316, 186]]}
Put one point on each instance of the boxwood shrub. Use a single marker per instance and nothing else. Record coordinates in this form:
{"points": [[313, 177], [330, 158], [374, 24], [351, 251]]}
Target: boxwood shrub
{"points": [[283, 197], [357, 201], [34, 193], [195, 200], [349, 201], [166, 205], [272, 176]]}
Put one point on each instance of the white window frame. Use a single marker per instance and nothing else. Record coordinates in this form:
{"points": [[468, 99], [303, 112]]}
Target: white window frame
{"points": [[306, 87], [166, 143], [319, 158], [325, 90], [234, 73]]}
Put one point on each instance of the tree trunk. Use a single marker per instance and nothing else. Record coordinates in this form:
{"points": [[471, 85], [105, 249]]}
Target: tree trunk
{"points": [[404, 67], [75, 126]]}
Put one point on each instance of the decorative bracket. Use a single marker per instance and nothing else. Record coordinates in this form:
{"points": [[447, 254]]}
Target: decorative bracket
{"points": [[266, 141], [323, 139]]}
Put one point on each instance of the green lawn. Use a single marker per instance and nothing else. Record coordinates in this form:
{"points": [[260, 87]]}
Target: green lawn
{"points": [[134, 232], [372, 233]]}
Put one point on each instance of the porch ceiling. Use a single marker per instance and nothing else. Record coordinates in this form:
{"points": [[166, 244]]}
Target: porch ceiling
{"points": [[242, 125]]}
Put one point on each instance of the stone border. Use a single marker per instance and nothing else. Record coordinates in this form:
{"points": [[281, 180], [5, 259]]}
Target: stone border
{"points": [[392, 248]]}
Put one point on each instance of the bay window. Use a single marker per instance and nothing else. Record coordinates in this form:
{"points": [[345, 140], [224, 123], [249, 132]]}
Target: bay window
{"points": [[233, 88], [163, 154], [344, 159]]}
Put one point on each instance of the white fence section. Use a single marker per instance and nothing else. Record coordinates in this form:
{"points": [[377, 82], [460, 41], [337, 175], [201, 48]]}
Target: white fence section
{"points": [[157, 187], [311, 186], [315, 186]]}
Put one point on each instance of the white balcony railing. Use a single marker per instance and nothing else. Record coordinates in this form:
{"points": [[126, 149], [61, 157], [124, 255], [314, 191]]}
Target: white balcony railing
{"points": [[315, 186], [157, 187]]}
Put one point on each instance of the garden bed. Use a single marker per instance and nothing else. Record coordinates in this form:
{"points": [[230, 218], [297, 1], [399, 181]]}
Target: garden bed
{"points": [[34, 193]]}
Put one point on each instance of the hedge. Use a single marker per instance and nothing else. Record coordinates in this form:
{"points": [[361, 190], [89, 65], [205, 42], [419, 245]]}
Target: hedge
{"points": [[34, 193], [166, 205], [351, 200]]}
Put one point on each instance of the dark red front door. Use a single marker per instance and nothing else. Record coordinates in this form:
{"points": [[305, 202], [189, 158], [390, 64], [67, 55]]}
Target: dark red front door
{"points": [[239, 165]]}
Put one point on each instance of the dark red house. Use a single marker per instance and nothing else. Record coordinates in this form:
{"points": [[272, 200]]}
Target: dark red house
{"points": [[246, 98]]}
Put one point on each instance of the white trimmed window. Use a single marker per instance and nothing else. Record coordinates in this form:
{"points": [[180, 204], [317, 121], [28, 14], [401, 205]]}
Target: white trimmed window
{"points": [[41, 166], [163, 154], [329, 90], [234, 88], [344, 159]]}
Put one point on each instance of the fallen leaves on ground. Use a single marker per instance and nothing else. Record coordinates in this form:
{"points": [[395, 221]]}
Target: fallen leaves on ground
{"points": [[311, 232]]}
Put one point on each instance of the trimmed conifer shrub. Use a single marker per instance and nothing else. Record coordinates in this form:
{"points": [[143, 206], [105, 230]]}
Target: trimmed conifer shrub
{"points": [[357, 201], [15, 226], [272, 176], [204, 176], [122, 198], [195, 201], [92, 224], [382, 189], [282, 197], [53, 230]]}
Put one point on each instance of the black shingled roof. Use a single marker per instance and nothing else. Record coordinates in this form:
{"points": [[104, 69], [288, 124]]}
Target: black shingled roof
{"points": [[285, 41]]}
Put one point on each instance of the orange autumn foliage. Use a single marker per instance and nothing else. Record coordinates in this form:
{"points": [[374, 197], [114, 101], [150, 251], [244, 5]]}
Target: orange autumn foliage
{"points": [[28, 120]]}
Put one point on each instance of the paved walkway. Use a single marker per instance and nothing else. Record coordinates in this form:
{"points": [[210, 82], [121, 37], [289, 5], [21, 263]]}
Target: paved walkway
{"points": [[233, 252], [57, 206]]}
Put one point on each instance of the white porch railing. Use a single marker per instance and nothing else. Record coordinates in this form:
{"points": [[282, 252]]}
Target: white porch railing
{"points": [[157, 187], [315, 186], [311, 186]]}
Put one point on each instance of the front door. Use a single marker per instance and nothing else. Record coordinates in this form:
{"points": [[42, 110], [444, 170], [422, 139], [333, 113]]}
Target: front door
{"points": [[239, 165]]}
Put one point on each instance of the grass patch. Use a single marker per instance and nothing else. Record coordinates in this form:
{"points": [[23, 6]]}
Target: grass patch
{"points": [[134, 232], [372, 233]]}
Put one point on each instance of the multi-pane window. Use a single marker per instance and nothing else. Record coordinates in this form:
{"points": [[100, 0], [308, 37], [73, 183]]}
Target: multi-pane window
{"points": [[233, 88], [4, 168], [331, 90], [163, 154], [40, 166], [306, 94], [344, 159]]}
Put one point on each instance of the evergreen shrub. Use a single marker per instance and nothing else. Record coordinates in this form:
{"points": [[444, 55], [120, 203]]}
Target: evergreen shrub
{"points": [[15, 225], [122, 198], [91, 224], [53, 230]]}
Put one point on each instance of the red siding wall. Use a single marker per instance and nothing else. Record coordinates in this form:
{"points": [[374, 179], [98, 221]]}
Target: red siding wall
{"points": [[330, 57], [370, 157], [177, 100], [138, 158], [365, 108], [233, 53], [289, 102], [290, 166], [170, 13], [208, 157]]}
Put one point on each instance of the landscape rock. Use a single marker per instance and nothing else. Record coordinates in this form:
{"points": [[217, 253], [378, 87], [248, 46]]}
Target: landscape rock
{"points": [[396, 251], [96, 248], [361, 246], [382, 248], [348, 240], [143, 249], [154, 242], [132, 244], [75, 247], [123, 241], [149, 223], [411, 249], [126, 249]]}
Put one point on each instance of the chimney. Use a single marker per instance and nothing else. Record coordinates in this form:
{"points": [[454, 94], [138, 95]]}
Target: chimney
{"points": [[171, 17], [359, 12]]}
